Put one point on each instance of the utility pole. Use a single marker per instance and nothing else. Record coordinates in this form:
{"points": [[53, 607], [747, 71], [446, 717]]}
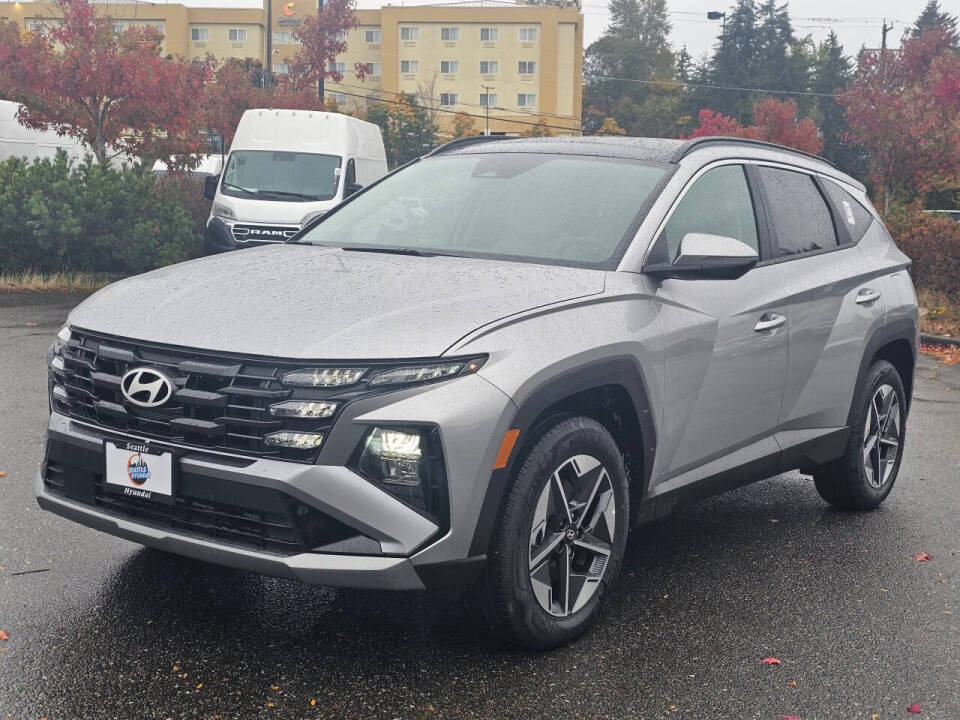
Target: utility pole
{"points": [[487, 89], [886, 29], [267, 72], [320, 89]]}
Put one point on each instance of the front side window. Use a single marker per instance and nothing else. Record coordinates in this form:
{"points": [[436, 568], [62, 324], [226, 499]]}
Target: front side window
{"points": [[287, 176], [371, 36], [449, 67], [526, 67], [718, 203], [449, 34], [502, 205], [799, 216]]}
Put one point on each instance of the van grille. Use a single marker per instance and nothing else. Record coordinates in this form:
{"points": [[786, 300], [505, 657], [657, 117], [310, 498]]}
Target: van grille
{"points": [[220, 403], [243, 233]]}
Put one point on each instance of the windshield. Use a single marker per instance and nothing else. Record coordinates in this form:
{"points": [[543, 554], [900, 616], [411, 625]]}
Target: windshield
{"points": [[290, 176], [564, 209]]}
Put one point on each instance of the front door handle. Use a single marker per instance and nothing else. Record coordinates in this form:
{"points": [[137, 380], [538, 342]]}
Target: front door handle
{"points": [[770, 321], [867, 296]]}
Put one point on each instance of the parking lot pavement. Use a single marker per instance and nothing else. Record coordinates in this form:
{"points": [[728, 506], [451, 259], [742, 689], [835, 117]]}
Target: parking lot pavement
{"points": [[100, 628]]}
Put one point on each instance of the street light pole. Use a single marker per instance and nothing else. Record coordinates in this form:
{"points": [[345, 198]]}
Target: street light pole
{"points": [[267, 66], [320, 89], [717, 15], [487, 89]]}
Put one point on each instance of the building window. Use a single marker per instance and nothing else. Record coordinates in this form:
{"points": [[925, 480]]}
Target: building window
{"points": [[449, 67], [410, 67], [372, 69], [489, 34], [528, 34], [156, 26], [237, 35], [449, 34], [337, 67], [199, 34], [371, 36], [283, 37], [526, 67], [449, 98], [526, 100], [279, 68], [410, 34], [117, 28], [488, 100], [489, 67], [339, 98]]}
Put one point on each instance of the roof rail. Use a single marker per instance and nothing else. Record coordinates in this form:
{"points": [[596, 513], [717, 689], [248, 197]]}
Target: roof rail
{"points": [[463, 142], [698, 143]]}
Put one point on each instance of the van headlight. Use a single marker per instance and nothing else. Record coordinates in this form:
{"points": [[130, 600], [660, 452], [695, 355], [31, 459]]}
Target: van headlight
{"points": [[407, 462], [223, 212]]}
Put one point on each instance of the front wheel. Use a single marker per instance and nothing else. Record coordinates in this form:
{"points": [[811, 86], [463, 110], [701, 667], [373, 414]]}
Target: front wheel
{"points": [[560, 543], [864, 476]]}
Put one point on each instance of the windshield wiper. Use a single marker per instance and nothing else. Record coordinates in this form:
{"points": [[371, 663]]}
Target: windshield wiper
{"points": [[248, 191], [284, 193], [390, 250]]}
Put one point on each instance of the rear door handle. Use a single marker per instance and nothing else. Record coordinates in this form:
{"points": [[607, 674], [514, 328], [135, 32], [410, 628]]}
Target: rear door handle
{"points": [[867, 296], [770, 321]]}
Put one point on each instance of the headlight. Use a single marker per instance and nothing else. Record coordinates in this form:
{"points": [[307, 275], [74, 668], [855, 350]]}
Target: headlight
{"points": [[407, 462], [424, 373], [223, 212], [63, 337], [310, 217], [323, 377], [305, 409], [293, 440]]}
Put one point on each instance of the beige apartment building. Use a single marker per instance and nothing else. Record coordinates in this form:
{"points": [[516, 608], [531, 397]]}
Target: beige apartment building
{"points": [[518, 63]]}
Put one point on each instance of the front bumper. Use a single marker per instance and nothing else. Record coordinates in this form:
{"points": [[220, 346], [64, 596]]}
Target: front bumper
{"points": [[396, 547]]}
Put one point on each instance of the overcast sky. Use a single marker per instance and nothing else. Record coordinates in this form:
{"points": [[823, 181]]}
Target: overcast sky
{"points": [[856, 22]]}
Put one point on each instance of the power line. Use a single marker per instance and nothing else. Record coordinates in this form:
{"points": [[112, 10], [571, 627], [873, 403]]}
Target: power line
{"points": [[680, 83]]}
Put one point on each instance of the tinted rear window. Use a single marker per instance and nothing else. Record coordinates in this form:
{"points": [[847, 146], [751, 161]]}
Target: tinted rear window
{"points": [[798, 213], [852, 215]]}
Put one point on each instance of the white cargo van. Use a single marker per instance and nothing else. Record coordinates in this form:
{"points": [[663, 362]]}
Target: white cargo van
{"points": [[19, 141], [285, 168]]}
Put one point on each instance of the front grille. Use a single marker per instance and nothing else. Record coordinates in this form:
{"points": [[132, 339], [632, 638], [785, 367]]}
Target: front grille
{"points": [[263, 233], [250, 516], [221, 402]]}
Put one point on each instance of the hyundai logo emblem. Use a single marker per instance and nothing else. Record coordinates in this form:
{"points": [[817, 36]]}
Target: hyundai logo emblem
{"points": [[146, 387]]}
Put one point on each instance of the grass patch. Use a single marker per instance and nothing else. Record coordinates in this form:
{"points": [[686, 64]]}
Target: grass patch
{"points": [[942, 316], [30, 281]]}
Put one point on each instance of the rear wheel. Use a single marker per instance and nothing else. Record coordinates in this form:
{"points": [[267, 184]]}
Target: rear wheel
{"points": [[560, 543], [864, 476]]}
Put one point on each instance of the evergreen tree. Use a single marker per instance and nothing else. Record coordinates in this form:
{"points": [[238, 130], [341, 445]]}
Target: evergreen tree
{"points": [[932, 17], [735, 63], [832, 71]]}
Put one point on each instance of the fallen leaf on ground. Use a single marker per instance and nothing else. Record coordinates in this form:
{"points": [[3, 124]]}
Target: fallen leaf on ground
{"points": [[915, 709], [274, 687], [199, 686], [789, 717], [947, 354], [3, 636], [771, 661], [923, 557], [313, 702], [3, 473], [792, 683], [31, 324]]}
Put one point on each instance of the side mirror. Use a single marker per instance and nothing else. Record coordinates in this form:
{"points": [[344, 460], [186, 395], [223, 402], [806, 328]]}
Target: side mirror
{"points": [[210, 183], [350, 189], [708, 256]]}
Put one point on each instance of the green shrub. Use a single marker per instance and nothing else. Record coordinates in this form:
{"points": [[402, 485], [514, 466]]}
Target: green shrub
{"points": [[54, 217], [932, 242]]}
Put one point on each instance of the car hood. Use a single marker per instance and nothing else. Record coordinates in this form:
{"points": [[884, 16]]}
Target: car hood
{"points": [[309, 302]]}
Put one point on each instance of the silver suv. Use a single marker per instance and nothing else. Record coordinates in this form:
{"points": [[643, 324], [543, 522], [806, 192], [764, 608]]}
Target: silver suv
{"points": [[480, 372]]}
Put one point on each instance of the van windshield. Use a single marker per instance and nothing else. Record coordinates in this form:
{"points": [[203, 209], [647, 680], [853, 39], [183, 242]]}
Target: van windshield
{"points": [[538, 207], [276, 175]]}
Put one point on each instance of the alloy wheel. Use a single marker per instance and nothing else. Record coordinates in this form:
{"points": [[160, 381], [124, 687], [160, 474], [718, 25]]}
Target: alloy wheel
{"points": [[881, 436], [572, 535]]}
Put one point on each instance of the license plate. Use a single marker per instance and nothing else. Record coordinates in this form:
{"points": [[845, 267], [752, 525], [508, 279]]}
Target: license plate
{"points": [[138, 470]]}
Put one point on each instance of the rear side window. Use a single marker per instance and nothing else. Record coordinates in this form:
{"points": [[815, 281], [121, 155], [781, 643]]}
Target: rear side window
{"points": [[852, 215], [718, 203], [800, 219]]}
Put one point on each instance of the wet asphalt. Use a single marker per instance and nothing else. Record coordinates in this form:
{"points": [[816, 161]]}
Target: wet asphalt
{"points": [[101, 628]]}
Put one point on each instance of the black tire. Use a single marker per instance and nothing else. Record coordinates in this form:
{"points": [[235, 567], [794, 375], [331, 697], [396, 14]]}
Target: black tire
{"points": [[847, 483], [504, 598]]}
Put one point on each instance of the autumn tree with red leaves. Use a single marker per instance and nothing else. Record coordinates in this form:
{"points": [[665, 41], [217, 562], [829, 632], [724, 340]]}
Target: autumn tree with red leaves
{"points": [[114, 92], [322, 38], [904, 108], [774, 121]]}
